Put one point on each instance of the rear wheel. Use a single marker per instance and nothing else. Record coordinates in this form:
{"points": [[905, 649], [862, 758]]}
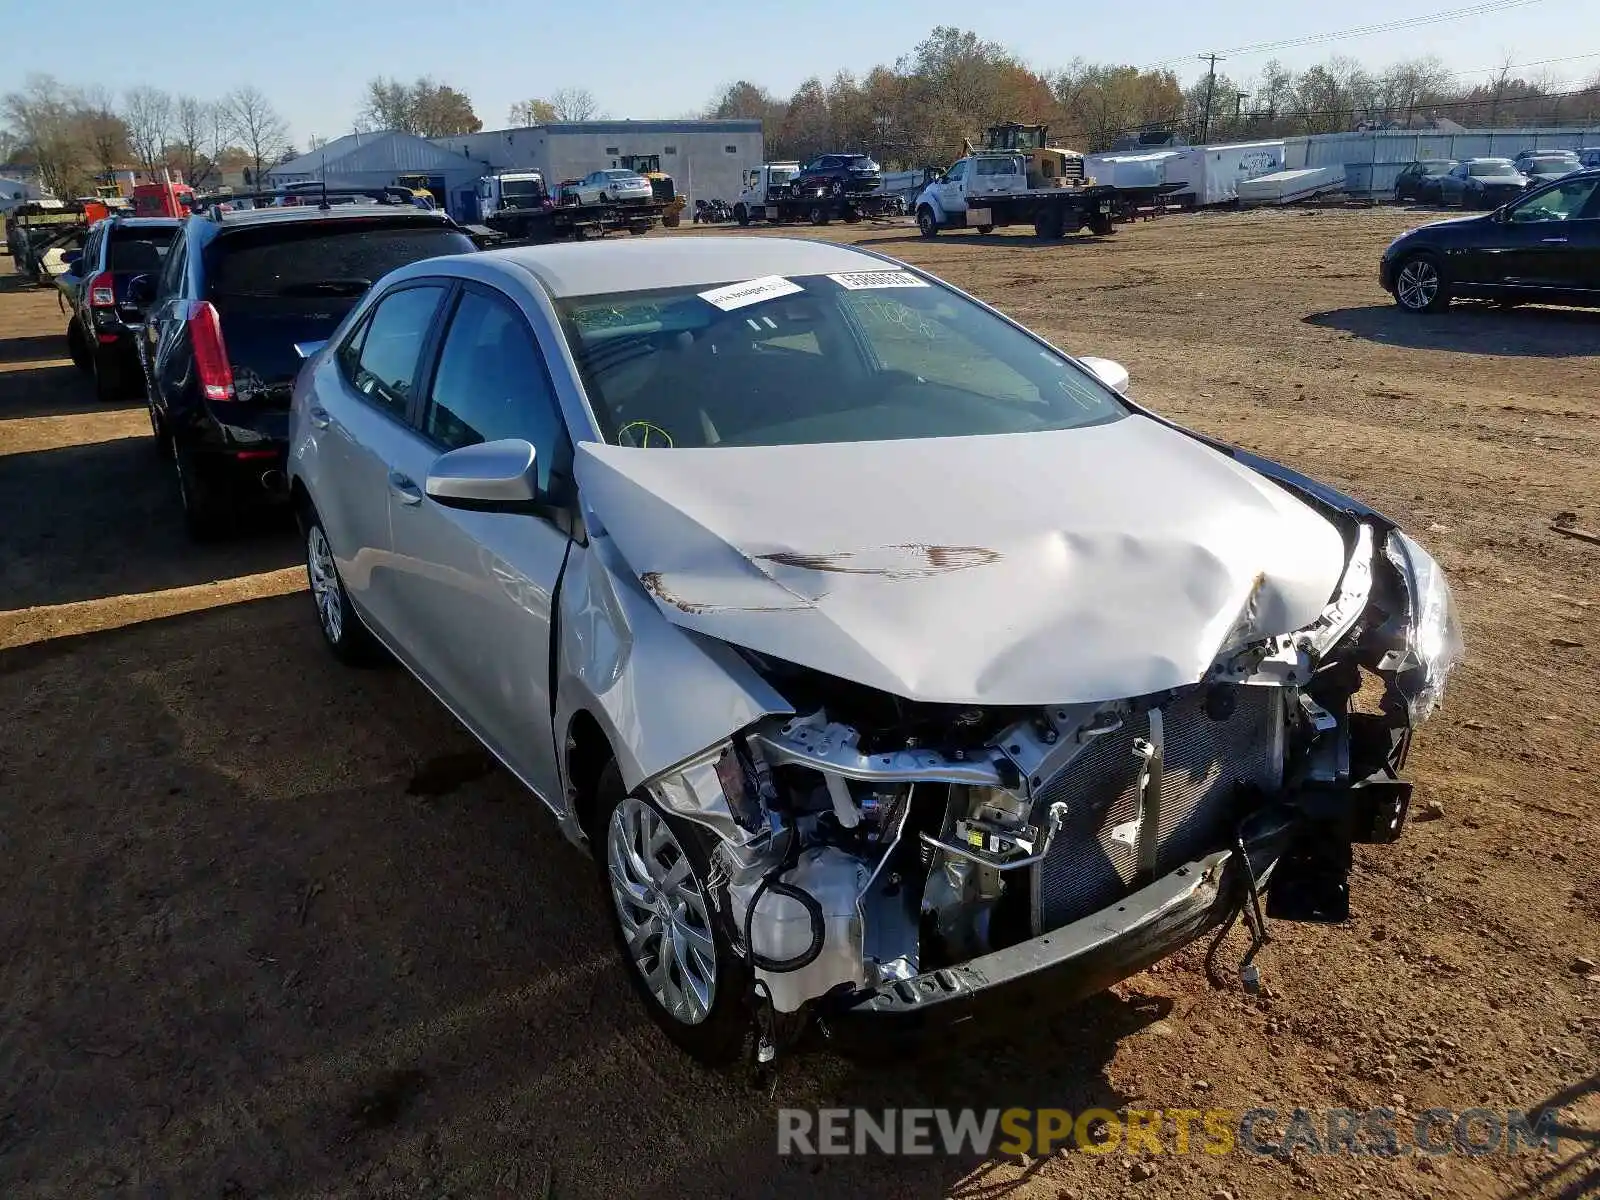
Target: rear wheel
{"points": [[666, 923], [927, 224], [110, 379], [1048, 226], [741, 214], [207, 511], [78, 347], [1420, 285], [985, 230], [819, 214]]}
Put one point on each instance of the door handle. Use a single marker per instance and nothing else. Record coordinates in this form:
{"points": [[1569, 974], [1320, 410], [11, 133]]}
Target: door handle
{"points": [[404, 490], [1555, 241], [319, 416]]}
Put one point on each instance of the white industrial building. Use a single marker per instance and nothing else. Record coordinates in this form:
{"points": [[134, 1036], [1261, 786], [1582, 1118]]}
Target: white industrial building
{"points": [[376, 159], [706, 159]]}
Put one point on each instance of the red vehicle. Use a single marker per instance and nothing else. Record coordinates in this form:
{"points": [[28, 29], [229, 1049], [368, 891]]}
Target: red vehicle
{"points": [[162, 200]]}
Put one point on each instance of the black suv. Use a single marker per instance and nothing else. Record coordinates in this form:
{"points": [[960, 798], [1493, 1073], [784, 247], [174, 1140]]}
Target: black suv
{"points": [[102, 333], [1419, 181], [238, 292], [837, 175]]}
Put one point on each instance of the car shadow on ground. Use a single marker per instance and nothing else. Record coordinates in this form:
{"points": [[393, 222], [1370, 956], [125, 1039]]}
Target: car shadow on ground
{"points": [[280, 927], [1473, 328], [55, 391], [103, 519], [32, 349], [1019, 240]]}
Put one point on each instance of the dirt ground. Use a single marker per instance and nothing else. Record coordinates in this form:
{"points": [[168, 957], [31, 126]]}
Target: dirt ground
{"points": [[269, 926]]}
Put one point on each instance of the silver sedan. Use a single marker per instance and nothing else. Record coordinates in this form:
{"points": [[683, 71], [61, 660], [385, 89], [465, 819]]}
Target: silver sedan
{"points": [[887, 658]]}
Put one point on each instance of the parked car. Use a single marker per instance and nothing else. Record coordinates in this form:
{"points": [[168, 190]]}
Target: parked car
{"points": [[1481, 183], [1543, 247], [838, 175], [1546, 165], [618, 185], [105, 321], [238, 290], [885, 749], [1589, 156], [1419, 181]]}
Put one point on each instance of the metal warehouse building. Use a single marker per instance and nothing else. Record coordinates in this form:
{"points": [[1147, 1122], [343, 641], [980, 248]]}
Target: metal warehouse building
{"points": [[374, 159], [706, 159]]}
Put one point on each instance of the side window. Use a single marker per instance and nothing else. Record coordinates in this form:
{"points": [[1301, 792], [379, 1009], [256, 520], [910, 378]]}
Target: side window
{"points": [[492, 384], [1566, 202], [957, 173], [171, 282], [385, 365]]}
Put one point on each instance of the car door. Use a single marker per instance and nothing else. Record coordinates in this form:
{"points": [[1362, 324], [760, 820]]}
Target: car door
{"points": [[358, 414], [475, 590], [1547, 238], [165, 337], [1452, 184], [952, 192]]}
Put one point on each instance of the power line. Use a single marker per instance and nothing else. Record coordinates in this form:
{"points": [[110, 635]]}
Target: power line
{"points": [[1311, 39], [1538, 62]]}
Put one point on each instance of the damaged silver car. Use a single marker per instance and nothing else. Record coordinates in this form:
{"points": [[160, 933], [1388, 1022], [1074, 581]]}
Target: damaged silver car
{"points": [[887, 659]]}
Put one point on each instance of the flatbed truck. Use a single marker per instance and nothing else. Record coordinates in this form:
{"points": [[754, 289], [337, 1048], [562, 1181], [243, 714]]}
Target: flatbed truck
{"points": [[987, 189], [770, 195], [517, 206]]}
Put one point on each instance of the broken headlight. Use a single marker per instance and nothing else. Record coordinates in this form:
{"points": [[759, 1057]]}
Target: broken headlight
{"points": [[1433, 632]]}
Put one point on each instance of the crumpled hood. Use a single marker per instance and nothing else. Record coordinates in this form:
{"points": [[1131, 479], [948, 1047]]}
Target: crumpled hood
{"points": [[1028, 569]]}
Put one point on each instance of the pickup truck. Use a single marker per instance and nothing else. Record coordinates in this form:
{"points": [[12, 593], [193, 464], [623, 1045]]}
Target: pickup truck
{"points": [[987, 189]]}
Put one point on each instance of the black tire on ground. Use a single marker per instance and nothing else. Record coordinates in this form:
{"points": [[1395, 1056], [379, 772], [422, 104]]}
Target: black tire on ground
{"points": [[741, 214], [820, 214], [637, 230], [207, 513], [346, 637], [927, 224], [78, 348], [984, 230], [1101, 225], [1421, 284], [1048, 226], [719, 1038]]}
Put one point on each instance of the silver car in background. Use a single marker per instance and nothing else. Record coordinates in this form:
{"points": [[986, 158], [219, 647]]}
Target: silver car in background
{"points": [[889, 660]]}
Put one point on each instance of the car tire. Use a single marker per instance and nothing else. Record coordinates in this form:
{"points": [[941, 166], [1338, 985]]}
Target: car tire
{"points": [[1049, 226], [342, 630], [1420, 284], [78, 348], [207, 514], [927, 223], [985, 230], [699, 1000], [820, 215], [741, 214]]}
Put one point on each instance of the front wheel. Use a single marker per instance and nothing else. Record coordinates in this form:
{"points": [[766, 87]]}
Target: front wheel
{"points": [[820, 214], [342, 630], [927, 224], [1420, 285], [666, 923], [985, 230], [741, 214]]}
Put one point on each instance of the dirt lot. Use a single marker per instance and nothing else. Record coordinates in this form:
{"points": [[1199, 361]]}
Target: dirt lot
{"points": [[271, 926]]}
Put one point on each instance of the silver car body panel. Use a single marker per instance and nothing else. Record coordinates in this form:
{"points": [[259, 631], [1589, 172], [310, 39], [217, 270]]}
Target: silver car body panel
{"points": [[1111, 561]]}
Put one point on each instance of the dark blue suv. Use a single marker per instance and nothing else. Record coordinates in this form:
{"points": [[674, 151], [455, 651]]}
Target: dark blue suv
{"points": [[237, 292], [103, 330]]}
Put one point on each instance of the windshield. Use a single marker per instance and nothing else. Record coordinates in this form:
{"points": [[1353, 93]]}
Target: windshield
{"points": [[1491, 169], [522, 188], [782, 174], [316, 260], [866, 356], [1552, 162]]}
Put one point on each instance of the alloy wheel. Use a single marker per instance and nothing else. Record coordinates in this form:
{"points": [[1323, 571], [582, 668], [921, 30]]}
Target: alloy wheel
{"points": [[325, 584], [665, 919], [1418, 285]]}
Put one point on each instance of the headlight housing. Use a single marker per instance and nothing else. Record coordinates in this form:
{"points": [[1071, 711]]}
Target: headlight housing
{"points": [[1433, 631]]}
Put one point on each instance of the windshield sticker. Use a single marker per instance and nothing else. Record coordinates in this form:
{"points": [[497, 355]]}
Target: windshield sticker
{"points": [[752, 291], [860, 281]]}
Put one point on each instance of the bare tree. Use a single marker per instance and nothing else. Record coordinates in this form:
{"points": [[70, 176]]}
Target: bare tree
{"points": [[148, 112], [256, 126], [44, 116], [105, 134], [575, 104], [191, 126], [425, 108], [531, 112]]}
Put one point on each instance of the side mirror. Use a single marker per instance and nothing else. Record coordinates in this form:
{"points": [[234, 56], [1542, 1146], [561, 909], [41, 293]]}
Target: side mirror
{"points": [[141, 290], [1113, 374], [307, 349], [497, 476]]}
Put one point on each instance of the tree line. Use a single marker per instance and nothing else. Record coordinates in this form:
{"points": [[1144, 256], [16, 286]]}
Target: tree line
{"points": [[954, 84]]}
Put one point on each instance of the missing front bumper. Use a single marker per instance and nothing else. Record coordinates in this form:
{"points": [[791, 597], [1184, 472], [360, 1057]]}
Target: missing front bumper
{"points": [[1084, 957]]}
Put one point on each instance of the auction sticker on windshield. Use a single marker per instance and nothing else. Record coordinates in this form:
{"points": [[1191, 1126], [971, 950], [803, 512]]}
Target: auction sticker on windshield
{"points": [[860, 281], [752, 291]]}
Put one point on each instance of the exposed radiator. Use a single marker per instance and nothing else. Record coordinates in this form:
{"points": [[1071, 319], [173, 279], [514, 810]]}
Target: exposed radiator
{"points": [[1095, 858]]}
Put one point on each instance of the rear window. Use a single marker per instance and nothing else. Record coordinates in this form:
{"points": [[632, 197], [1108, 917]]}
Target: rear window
{"points": [[138, 251], [1491, 169], [322, 259]]}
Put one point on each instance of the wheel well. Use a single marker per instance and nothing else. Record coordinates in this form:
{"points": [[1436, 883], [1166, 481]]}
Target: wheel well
{"points": [[587, 752]]}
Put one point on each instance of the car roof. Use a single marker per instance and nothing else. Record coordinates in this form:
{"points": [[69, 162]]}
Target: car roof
{"points": [[145, 222], [1487, 158], [289, 214], [590, 268]]}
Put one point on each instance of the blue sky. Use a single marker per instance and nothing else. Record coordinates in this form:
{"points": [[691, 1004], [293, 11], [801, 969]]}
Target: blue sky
{"points": [[644, 59]]}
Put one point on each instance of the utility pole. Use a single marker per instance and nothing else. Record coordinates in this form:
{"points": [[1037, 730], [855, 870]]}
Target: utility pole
{"points": [[1211, 82], [1238, 104]]}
